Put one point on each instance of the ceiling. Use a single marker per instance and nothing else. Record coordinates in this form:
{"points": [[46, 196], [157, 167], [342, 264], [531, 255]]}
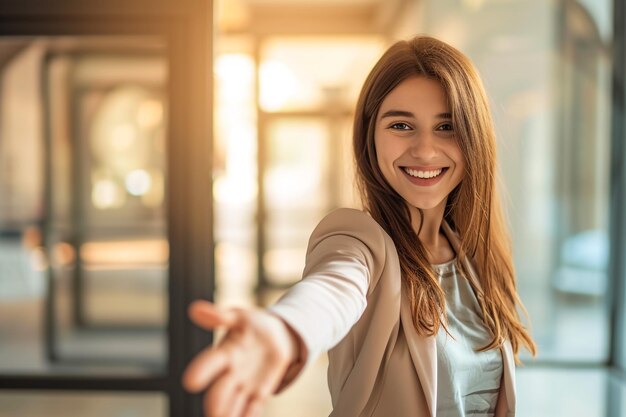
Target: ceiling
{"points": [[263, 17]]}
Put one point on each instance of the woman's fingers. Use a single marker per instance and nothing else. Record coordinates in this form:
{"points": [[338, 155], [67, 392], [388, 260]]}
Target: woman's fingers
{"points": [[205, 367], [205, 315], [254, 407], [237, 406], [222, 394], [269, 378], [216, 406]]}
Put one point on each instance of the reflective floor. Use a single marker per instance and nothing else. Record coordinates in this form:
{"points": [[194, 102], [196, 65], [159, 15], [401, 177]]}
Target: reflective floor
{"points": [[542, 391]]}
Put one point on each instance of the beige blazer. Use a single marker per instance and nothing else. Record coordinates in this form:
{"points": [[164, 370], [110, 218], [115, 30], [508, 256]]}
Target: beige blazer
{"points": [[381, 367]]}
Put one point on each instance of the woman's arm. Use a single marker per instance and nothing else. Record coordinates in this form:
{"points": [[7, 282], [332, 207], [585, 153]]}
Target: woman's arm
{"points": [[265, 350]]}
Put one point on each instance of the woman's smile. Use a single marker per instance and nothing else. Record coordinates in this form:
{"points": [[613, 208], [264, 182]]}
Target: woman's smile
{"points": [[424, 178]]}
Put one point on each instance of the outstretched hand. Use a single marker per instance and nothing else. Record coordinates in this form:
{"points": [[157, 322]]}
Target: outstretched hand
{"points": [[242, 371]]}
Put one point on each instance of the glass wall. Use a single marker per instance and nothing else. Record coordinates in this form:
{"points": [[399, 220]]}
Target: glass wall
{"points": [[282, 155], [306, 159], [83, 247]]}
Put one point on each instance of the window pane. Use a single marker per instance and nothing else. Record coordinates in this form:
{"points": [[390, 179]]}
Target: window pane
{"points": [[297, 192], [584, 392], [83, 242], [235, 173]]}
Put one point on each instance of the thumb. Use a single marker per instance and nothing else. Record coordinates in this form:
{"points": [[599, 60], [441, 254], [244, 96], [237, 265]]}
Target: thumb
{"points": [[207, 316]]}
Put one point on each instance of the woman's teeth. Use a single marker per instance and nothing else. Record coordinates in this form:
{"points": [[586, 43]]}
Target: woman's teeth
{"points": [[423, 174]]}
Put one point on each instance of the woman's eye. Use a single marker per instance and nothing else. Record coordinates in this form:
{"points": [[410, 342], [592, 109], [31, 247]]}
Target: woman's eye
{"points": [[446, 127], [400, 126]]}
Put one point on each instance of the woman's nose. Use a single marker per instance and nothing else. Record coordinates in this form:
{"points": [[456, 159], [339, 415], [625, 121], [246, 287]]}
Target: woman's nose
{"points": [[423, 146]]}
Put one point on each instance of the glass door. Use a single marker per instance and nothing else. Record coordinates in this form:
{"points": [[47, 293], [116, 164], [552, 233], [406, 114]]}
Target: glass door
{"points": [[83, 236], [105, 229], [105, 206]]}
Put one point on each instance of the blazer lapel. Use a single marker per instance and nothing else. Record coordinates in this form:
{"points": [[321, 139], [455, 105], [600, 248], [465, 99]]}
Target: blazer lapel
{"points": [[423, 352], [508, 361]]}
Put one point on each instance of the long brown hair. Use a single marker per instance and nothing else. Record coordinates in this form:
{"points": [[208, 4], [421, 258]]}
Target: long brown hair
{"points": [[472, 209]]}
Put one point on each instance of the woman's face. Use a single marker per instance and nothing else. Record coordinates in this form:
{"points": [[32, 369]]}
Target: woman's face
{"points": [[416, 145]]}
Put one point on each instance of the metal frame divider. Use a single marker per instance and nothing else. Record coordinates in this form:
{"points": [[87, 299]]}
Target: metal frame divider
{"points": [[615, 403], [617, 234]]}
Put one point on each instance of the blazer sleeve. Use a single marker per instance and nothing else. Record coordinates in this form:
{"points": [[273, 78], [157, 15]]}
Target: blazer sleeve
{"points": [[344, 261]]}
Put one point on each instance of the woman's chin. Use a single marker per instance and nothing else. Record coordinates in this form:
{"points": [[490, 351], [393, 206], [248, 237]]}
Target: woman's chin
{"points": [[424, 204]]}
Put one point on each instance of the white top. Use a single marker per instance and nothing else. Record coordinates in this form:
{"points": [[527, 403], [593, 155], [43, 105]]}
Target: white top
{"points": [[468, 382]]}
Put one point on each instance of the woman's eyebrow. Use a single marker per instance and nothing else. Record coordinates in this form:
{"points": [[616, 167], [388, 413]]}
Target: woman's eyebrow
{"points": [[396, 113], [404, 113]]}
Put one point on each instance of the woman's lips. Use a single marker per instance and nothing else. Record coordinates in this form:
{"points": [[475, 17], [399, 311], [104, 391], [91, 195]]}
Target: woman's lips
{"points": [[424, 182]]}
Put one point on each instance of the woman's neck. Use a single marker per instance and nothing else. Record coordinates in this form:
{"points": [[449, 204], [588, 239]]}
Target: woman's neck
{"points": [[438, 249]]}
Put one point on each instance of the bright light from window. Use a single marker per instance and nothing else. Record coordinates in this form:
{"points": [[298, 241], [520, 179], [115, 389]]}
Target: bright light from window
{"points": [[278, 85], [236, 129], [122, 137], [150, 114], [234, 190], [235, 74], [138, 182], [106, 194]]}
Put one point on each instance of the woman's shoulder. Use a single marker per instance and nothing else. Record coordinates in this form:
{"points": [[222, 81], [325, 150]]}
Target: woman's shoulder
{"points": [[353, 235], [355, 224], [350, 219]]}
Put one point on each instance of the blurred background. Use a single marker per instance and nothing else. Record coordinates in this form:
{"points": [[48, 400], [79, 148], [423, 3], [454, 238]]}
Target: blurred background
{"points": [[151, 154]]}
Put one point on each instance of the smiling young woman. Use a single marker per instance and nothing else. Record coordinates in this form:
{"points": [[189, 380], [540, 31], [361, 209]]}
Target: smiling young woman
{"points": [[415, 296]]}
